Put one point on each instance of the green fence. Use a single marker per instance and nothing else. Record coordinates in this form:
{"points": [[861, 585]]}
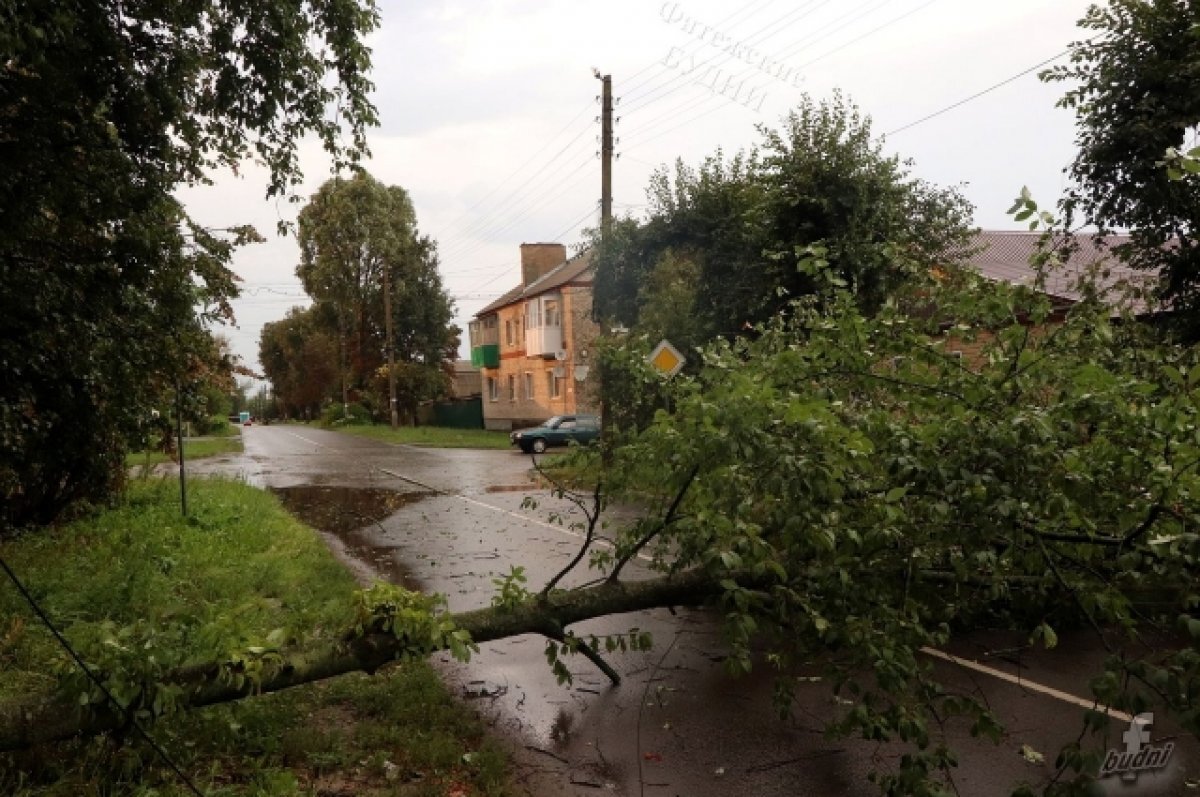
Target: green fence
{"points": [[459, 414]]}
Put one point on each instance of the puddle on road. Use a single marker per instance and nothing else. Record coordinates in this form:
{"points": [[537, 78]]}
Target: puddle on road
{"points": [[347, 516]]}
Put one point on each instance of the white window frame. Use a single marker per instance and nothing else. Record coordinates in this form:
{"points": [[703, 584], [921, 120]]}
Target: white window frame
{"points": [[493, 388]]}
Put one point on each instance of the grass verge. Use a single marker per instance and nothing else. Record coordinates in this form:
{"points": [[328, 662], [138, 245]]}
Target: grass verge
{"points": [[192, 449], [431, 436], [138, 589]]}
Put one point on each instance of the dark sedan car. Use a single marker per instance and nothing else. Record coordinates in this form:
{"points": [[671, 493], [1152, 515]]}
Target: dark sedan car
{"points": [[558, 431]]}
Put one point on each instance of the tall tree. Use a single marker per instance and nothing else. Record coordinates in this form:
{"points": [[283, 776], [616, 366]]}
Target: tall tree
{"points": [[740, 226], [1135, 88], [105, 109], [359, 237], [299, 356]]}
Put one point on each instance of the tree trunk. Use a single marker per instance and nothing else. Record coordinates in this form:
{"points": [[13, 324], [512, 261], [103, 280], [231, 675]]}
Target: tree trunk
{"points": [[28, 722]]}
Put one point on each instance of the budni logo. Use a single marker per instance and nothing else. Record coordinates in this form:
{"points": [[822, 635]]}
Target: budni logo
{"points": [[1139, 755]]}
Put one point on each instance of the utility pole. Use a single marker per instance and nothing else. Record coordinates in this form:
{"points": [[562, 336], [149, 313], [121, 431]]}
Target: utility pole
{"points": [[606, 154], [606, 158], [391, 349]]}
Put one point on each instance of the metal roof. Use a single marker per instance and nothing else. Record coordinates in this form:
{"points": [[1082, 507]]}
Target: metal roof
{"points": [[569, 271], [1005, 256]]}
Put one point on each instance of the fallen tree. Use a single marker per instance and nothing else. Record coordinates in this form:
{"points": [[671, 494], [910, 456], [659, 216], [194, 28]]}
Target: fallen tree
{"points": [[850, 491], [45, 719]]}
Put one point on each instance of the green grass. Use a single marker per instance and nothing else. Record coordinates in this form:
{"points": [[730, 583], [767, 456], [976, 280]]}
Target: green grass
{"points": [[138, 589], [432, 436], [192, 449]]}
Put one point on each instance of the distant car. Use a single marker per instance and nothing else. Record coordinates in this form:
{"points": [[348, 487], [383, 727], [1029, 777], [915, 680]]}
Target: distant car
{"points": [[558, 431]]}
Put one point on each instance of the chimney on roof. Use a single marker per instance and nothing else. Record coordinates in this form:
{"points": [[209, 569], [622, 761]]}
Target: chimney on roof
{"points": [[537, 260]]}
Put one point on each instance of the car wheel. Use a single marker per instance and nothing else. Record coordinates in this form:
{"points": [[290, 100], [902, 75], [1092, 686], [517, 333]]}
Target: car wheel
{"points": [[539, 445]]}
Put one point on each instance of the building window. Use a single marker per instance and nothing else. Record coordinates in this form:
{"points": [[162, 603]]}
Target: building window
{"points": [[553, 319], [512, 388], [533, 314], [555, 385], [529, 385], [508, 336], [493, 389]]}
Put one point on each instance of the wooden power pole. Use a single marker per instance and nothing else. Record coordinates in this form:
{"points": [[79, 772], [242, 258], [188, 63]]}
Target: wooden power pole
{"points": [[606, 154], [606, 159]]}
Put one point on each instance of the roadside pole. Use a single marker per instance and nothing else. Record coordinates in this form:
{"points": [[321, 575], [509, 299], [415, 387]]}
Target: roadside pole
{"points": [[179, 437]]}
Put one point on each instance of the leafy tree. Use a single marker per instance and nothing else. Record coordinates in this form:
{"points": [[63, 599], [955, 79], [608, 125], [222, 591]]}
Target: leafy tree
{"points": [[299, 355], [736, 228], [1135, 88], [106, 109], [358, 237]]}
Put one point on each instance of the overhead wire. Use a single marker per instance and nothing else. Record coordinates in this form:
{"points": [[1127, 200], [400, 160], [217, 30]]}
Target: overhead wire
{"points": [[523, 165], [122, 711], [812, 37], [715, 100], [487, 226], [684, 79], [868, 34], [690, 120], [486, 219], [978, 94], [631, 92], [575, 224], [519, 213]]}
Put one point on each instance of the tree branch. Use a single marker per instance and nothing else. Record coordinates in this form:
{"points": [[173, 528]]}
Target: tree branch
{"points": [[38, 719], [657, 528], [590, 654], [593, 518]]}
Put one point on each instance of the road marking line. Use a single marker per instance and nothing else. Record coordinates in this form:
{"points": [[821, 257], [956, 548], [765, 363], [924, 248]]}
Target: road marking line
{"points": [[509, 512], [1025, 683], [307, 440]]}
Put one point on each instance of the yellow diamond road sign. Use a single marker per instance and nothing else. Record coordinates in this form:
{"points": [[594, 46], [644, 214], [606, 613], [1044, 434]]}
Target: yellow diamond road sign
{"points": [[666, 358]]}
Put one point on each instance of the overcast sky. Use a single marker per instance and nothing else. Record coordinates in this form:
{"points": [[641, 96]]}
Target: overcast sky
{"points": [[490, 115]]}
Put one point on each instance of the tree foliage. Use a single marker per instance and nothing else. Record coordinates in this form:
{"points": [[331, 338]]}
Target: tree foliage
{"points": [[105, 284], [299, 354], [723, 239], [881, 494], [1135, 88], [356, 237]]}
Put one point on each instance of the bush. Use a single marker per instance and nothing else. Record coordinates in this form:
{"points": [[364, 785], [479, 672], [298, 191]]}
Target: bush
{"points": [[354, 415], [213, 425]]}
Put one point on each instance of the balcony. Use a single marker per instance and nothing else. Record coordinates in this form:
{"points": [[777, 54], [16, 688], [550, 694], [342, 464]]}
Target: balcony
{"points": [[543, 326], [485, 342]]}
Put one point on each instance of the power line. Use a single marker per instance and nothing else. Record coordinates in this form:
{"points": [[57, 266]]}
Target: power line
{"points": [[522, 213], [871, 32], [486, 219], [573, 225], [95, 679], [845, 19], [518, 170], [978, 94], [632, 91], [814, 36]]}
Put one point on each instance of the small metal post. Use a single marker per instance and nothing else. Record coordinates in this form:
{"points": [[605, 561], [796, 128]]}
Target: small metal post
{"points": [[179, 435]]}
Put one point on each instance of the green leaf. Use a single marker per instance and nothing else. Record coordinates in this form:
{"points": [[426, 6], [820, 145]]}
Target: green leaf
{"points": [[1193, 627]]}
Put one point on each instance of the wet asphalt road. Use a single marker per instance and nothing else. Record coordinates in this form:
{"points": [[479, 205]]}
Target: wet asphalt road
{"points": [[450, 521]]}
